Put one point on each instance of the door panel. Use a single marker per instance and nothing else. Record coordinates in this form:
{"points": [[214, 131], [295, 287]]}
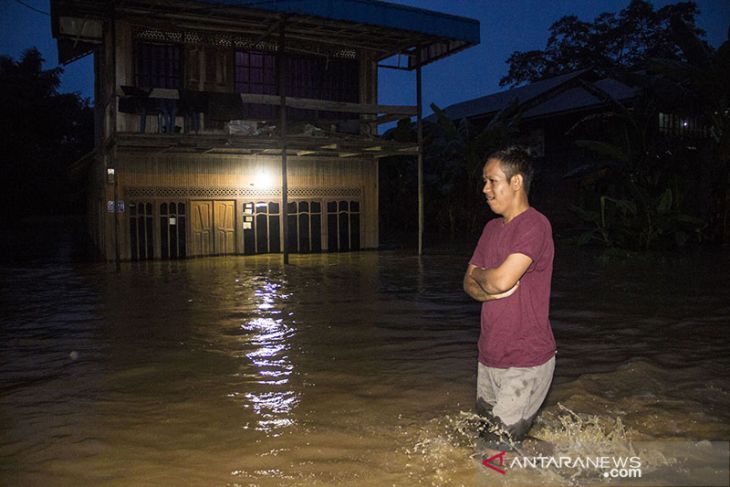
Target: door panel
{"points": [[201, 231], [225, 227]]}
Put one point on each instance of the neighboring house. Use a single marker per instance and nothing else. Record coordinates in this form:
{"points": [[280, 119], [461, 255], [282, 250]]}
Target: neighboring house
{"points": [[550, 108], [194, 156]]}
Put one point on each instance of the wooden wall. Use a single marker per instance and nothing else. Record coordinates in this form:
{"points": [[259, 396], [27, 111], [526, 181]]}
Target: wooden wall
{"points": [[308, 178]]}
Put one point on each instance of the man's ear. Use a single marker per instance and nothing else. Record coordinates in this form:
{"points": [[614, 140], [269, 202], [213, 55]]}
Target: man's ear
{"points": [[517, 182]]}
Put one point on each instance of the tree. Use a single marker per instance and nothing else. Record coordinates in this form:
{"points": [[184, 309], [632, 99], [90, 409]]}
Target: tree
{"points": [[624, 40], [454, 153], [639, 193], [41, 132], [701, 79]]}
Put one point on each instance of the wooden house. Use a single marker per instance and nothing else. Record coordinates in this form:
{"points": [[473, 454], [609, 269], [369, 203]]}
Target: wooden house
{"points": [[242, 126], [550, 110]]}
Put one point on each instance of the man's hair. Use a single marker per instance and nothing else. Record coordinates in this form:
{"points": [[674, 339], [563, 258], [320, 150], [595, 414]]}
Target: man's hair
{"points": [[515, 160]]}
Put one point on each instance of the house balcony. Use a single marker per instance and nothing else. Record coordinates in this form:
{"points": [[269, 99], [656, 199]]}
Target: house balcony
{"points": [[170, 120]]}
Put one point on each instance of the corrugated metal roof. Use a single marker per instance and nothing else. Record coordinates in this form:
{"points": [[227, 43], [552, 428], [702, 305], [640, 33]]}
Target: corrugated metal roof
{"points": [[570, 99], [372, 12], [386, 29], [579, 98], [497, 101]]}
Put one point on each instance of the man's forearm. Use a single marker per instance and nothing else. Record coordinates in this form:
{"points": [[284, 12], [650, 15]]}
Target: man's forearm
{"points": [[487, 280], [473, 289]]}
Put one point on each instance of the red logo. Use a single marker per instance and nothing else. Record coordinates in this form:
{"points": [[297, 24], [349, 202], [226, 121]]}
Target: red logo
{"points": [[499, 457]]}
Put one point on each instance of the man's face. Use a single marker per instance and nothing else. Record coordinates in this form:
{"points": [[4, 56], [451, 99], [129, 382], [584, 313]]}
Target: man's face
{"points": [[497, 189]]}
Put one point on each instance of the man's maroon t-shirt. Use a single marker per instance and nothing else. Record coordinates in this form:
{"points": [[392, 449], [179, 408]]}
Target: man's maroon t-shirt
{"points": [[516, 330]]}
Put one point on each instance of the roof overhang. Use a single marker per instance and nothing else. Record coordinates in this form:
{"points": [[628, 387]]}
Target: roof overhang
{"points": [[386, 29]]}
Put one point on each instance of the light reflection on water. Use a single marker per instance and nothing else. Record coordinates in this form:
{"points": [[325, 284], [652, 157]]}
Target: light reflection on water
{"points": [[350, 369], [270, 331]]}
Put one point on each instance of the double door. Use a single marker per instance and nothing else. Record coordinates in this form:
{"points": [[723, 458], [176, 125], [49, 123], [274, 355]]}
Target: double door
{"points": [[213, 227]]}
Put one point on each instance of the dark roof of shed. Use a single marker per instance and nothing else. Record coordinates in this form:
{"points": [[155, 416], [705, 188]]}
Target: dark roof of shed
{"points": [[569, 99], [579, 98]]}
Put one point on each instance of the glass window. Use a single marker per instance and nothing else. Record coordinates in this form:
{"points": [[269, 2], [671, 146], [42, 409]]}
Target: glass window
{"points": [[261, 227], [343, 226], [304, 227], [172, 231], [140, 230], [158, 65], [308, 77]]}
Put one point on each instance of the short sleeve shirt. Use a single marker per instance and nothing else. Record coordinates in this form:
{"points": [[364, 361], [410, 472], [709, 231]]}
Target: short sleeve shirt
{"points": [[515, 331]]}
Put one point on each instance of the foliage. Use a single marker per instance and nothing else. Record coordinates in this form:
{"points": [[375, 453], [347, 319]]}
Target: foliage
{"points": [[41, 132], [636, 198], [624, 40], [702, 83], [455, 154]]}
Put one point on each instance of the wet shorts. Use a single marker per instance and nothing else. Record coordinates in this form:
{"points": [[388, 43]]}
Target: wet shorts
{"points": [[512, 396]]}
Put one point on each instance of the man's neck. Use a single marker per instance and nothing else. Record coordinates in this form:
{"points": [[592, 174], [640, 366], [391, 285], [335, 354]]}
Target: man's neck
{"points": [[519, 208]]}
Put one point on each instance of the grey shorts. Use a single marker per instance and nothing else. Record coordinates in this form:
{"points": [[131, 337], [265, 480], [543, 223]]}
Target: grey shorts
{"points": [[513, 395]]}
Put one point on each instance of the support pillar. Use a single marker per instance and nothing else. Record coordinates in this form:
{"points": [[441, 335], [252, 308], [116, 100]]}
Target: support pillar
{"points": [[419, 131], [282, 73]]}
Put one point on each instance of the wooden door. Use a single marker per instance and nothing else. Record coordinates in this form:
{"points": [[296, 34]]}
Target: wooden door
{"points": [[225, 227], [201, 231]]}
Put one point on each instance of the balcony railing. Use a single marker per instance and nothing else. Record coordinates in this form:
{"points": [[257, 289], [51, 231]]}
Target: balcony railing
{"points": [[212, 112]]}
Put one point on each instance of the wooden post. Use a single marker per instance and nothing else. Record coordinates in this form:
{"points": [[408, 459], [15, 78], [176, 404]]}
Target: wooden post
{"points": [[113, 131], [117, 260], [419, 131], [281, 71]]}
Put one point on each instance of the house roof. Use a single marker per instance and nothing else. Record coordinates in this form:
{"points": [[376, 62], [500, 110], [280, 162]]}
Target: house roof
{"points": [[560, 94], [579, 98], [372, 12], [387, 29]]}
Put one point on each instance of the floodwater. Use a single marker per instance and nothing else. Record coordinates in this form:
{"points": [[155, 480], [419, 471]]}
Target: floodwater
{"points": [[340, 369]]}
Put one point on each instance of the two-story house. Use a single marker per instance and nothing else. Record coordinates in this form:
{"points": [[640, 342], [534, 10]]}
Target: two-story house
{"points": [[244, 126]]}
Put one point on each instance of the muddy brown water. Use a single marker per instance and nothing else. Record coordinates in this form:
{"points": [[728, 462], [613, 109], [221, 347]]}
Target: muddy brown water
{"points": [[340, 369]]}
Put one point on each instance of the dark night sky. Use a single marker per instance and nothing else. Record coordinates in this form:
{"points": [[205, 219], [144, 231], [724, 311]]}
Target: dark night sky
{"points": [[506, 26]]}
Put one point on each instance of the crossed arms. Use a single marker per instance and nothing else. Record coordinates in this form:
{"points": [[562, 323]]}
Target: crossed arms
{"points": [[497, 282]]}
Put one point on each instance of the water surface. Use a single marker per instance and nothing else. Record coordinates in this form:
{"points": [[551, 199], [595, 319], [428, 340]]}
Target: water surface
{"points": [[340, 369]]}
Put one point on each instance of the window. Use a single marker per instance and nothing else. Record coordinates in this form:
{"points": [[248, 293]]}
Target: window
{"points": [[255, 72], [172, 231], [343, 226], [304, 226], [672, 124], [158, 66], [261, 233], [308, 77], [140, 230]]}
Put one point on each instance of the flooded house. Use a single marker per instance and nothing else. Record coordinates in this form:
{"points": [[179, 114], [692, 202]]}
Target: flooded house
{"points": [[244, 127]]}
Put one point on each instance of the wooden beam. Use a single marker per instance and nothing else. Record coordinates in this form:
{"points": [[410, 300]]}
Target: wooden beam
{"points": [[387, 118], [328, 105]]}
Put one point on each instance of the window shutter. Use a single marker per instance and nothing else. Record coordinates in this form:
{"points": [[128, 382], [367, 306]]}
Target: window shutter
{"points": [[218, 70], [193, 67]]}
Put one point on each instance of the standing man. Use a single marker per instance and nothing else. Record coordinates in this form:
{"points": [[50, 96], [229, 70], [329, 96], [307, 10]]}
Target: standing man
{"points": [[510, 274]]}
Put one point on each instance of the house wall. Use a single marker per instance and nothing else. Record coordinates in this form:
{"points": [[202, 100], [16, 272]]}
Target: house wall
{"points": [[161, 178]]}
